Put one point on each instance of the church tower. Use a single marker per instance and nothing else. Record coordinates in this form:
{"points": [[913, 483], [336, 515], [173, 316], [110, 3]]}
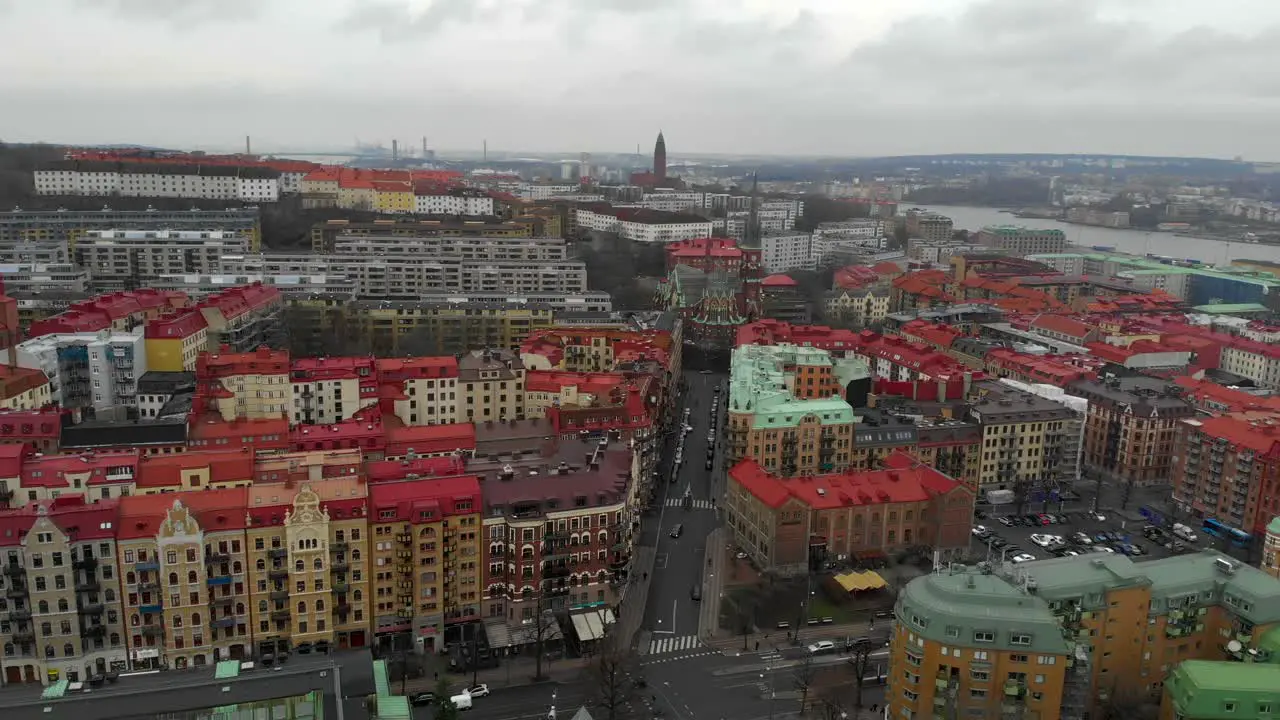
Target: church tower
{"points": [[752, 260], [660, 158]]}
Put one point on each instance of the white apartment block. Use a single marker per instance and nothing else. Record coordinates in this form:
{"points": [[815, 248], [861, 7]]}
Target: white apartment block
{"points": [[479, 248], [409, 276], [786, 251], [1260, 363], [88, 372], [453, 204], [137, 179], [36, 278], [643, 226], [45, 251], [335, 284], [673, 201], [113, 256], [544, 191]]}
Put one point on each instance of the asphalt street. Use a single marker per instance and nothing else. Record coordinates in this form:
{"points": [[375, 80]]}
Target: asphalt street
{"points": [[528, 702], [671, 613]]}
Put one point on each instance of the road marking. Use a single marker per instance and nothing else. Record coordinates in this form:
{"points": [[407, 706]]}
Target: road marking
{"points": [[660, 561], [694, 505], [663, 646]]}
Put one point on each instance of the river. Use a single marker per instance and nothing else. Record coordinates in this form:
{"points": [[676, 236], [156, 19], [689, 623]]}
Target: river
{"points": [[1134, 242]]}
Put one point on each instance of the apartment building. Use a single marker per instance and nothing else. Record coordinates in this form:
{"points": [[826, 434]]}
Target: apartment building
{"points": [[428, 559], [454, 202], [1227, 468], [89, 374], [99, 178], [244, 318], [425, 389], [1026, 438], [563, 545], [1257, 361], [119, 312], [330, 390], [24, 279], [787, 409], [310, 551], [928, 225], [507, 249], [446, 328], [407, 276], [1066, 637], [858, 307], [37, 477], [781, 252], [249, 386], [1131, 428], [117, 258], [492, 386], [62, 586], [58, 229], [777, 519], [642, 225], [46, 251], [174, 343], [1021, 241], [24, 389]]}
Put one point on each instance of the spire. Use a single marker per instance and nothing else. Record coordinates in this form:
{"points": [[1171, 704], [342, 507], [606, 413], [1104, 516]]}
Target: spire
{"points": [[751, 235]]}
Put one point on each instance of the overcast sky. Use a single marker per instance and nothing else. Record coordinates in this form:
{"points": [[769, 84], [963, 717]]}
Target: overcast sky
{"points": [[834, 77]]}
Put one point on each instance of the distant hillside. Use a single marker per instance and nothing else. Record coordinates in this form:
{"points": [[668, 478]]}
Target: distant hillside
{"points": [[17, 162]]}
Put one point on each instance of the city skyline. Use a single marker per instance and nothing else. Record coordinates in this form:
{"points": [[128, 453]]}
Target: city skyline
{"points": [[809, 78]]}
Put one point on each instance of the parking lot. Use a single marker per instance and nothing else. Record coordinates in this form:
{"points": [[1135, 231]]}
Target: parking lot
{"points": [[1007, 535]]}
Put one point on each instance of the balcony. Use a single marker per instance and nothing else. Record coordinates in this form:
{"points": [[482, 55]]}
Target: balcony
{"points": [[225, 601], [91, 609], [147, 566], [278, 553], [151, 609], [89, 585], [19, 614], [339, 587], [404, 539], [13, 570], [153, 630], [279, 595], [339, 546], [88, 564], [219, 580], [278, 573], [339, 565], [17, 591], [24, 636], [93, 631], [223, 622], [217, 558], [149, 586], [280, 615], [342, 609]]}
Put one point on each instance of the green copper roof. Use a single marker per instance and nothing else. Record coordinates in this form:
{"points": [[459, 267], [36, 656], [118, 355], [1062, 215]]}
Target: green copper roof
{"points": [[1209, 690], [976, 610], [760, 385], [1274, 526], [1020, 230], [1229, 308]]}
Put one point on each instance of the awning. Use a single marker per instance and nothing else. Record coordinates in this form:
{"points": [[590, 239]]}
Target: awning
{"points": [[860, 581], [527, 633], [591, 625], [498, 634]]}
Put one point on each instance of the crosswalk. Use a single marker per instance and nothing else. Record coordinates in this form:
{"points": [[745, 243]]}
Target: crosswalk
{"points": [[664, 645], [694, 504]]}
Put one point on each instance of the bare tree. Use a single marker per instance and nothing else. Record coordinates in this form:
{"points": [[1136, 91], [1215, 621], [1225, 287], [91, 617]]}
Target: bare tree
{"points": [[805, 675], [746, 624], [833, 706], [615, 689], [544, 629], [859, 661]]}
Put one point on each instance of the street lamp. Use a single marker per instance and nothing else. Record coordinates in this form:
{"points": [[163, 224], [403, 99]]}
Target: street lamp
{"points": [[768, 668]]}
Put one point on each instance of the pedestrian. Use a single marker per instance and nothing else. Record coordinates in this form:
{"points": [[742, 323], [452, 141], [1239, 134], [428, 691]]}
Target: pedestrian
{"points": [[757, 646]]}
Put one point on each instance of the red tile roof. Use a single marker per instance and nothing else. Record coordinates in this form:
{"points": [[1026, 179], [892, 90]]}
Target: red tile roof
{"points": [[263, 361], [165, 471], [216, 511], [777, 332], [181, 325], [425, 499], [50, 471], [1062, 325], [704, 247], [401, 369], [779, 281], [393, 470], [430, 439], [555, 381], [904, 479]]}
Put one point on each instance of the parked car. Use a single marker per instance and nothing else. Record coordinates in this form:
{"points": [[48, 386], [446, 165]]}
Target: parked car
{"points": [[678, 530], [1043, 541], [1005, 521], [1082, 538], [1023, 557], [822, 646], [980, 531], [696, 594], [1098, 516], [422, 698], [480, 690]]}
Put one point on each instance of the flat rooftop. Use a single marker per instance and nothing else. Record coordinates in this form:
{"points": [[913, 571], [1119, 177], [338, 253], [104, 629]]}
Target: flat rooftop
{"points": [[347, 674]]}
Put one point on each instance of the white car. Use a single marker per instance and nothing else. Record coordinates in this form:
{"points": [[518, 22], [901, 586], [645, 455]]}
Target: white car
{"points": [[478, 691], [1098, 516], [1023, 557], [1045, 541], [822, 646], [980, 530], [1071, 553]]}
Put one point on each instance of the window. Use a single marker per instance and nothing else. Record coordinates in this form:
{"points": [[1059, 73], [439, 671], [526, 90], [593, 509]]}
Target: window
{"points": [[1020, 639], [1046, 660], [984, 636], [171, 557]]}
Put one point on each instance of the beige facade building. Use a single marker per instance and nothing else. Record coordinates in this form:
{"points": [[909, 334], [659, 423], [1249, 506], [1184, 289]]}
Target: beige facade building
{"points": [[491, 384], [1025, 437]]}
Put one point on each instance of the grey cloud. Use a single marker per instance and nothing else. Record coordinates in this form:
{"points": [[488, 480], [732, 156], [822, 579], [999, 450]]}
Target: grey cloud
{"points": [[397, 22], [178, 10]]}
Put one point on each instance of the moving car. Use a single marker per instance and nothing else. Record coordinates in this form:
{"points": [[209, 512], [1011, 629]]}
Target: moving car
{"points": [[709, 463], [1098, 516], [462, 701], [1005, 521], [422, 698], [1023, 557], [980, 530], [822, 646], [696, 594], [678, 530], [478, 691]]}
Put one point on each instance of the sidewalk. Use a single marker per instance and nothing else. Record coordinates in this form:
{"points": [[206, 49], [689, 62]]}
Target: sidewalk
{"points": [[514, 672]]}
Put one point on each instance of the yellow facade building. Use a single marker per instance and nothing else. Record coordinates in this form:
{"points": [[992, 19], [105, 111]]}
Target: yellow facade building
{"points": [[249, 386]]}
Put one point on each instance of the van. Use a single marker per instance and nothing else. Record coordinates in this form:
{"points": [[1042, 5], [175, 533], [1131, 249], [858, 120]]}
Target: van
{"points": [[461, 702]]}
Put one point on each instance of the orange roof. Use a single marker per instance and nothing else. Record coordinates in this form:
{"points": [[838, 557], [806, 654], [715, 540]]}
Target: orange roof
{"points": [[904, 479], [554, 381], [400, 369], [779, 281], [215, 510], [430, 439], [165, 471], [1063, 325]]}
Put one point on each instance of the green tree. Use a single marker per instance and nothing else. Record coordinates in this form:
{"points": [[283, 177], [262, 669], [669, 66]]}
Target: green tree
{"points": [[445, 709]]}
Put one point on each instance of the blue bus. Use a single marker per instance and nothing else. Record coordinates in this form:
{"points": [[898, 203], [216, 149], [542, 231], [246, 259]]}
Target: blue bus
{"points": [[1218, 529]]}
